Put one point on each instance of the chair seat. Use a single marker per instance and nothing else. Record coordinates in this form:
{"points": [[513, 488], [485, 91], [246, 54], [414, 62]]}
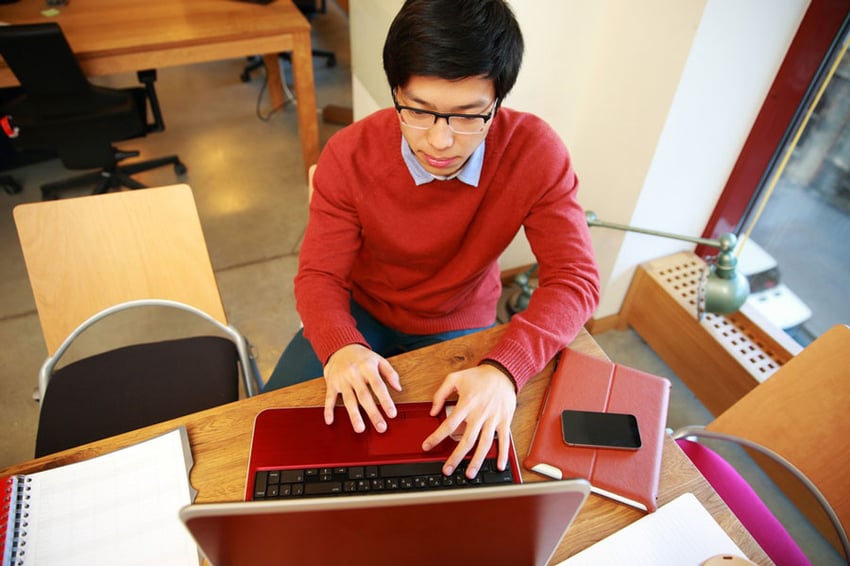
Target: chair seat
{"points": [[135, 386], [745, 503]]}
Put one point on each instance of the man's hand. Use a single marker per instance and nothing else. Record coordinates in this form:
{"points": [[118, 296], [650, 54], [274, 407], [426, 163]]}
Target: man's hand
{"points": [[486, 402], [360, 376]]}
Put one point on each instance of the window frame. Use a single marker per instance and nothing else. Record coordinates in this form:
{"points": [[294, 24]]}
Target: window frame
{"points": [[820, 30]]}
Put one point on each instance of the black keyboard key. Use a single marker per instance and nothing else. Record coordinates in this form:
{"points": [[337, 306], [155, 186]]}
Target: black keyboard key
{"points": [[498, 477], [290, 476], [323, 488], [260, 484], [412, 469]]}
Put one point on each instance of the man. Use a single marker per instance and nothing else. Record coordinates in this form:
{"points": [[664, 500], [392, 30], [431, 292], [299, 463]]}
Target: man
{"points": [[412, 207]]}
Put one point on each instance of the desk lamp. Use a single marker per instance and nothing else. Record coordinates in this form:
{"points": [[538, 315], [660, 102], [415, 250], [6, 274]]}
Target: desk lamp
{"points": [[722, 288]]}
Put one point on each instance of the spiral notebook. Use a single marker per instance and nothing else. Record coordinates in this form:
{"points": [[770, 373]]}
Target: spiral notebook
{"points": [[118, 508]]}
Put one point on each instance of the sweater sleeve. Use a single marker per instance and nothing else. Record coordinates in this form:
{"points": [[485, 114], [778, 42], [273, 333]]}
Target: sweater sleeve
{"points": [[331, 242], [568, 279]]}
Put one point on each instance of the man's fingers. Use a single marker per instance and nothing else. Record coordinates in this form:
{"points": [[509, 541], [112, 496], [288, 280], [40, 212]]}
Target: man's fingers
{"points": [[504, 440], [353, 409], [364, 396], [390, 375], [330, 402]]}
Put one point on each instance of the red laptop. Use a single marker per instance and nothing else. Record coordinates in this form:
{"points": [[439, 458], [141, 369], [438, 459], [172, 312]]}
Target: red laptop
{"points": [[294, 454]]}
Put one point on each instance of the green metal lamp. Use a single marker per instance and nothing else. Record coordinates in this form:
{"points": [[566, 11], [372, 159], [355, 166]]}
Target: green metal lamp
{"points": [[722, 288]]}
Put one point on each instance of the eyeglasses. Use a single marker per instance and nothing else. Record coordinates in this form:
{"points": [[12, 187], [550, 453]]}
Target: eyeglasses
{"points": [[420, 119]]}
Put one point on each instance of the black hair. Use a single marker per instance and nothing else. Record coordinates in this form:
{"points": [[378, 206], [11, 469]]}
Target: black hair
{"points": [[454, 39]]}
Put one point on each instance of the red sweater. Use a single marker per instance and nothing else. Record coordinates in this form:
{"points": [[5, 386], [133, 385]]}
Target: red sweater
{"points": [[423, 259]]}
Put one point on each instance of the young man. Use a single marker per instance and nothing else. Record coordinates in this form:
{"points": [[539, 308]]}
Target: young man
{"points": [[412, 207]]}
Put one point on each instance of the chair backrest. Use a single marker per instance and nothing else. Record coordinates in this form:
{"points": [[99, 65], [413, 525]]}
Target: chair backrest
{"points": [[801, 413], [59, 109], [50, 75], [86, 254], [41, 59]]}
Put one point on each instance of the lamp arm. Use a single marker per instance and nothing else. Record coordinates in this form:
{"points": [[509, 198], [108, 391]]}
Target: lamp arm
{"points": [[592, 220]]}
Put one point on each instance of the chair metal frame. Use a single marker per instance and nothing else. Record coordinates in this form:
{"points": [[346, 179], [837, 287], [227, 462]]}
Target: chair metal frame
{"points": [[250, 372], [697, 431]]}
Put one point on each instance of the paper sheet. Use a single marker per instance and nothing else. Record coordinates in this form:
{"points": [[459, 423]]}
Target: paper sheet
{"points": [[119, 508], [681, 532]]}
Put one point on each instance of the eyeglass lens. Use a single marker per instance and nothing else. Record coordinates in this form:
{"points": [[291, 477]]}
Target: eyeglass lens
{"points": [[423, 120]]}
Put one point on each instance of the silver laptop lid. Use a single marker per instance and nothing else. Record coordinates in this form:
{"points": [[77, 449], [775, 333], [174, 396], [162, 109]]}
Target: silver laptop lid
{"points": [[509, 524]]}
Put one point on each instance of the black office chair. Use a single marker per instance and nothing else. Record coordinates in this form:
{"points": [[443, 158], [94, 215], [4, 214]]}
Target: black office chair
{"points": [[309, 8], [61, 111]]}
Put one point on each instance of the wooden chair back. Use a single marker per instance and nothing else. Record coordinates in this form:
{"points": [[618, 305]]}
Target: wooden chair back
{"points": [[89, 253], [801, 413]]}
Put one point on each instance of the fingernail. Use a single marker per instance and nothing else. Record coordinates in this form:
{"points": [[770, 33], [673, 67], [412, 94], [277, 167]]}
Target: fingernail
{"points": [[448, 470], [426, 446], [381, 426], [471, 472]]}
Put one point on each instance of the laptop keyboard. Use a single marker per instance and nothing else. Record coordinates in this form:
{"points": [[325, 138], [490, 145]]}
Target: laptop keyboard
{"points": [[361, 480]]}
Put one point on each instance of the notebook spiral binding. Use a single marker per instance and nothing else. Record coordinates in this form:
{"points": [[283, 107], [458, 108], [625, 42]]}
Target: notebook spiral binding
{"points": [[14, 519]]}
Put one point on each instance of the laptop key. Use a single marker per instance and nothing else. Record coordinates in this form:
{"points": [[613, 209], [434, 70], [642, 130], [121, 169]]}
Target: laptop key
{"points": [[260, 484], [323, 488], [289, 476], [412, 469], [498, 477]]}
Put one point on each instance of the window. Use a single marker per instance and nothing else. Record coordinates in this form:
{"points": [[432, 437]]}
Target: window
{"points": [[790, 190]]}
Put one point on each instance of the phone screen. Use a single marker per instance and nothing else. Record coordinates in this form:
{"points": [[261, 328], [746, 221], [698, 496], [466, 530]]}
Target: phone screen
{"points": [[600, 430]]}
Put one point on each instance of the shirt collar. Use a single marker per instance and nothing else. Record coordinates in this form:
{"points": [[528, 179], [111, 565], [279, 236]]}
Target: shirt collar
{"points": [[470, 173]]}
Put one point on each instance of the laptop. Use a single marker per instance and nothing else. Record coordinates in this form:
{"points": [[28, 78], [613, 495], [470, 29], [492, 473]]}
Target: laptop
{"points": [[293, 440], [510, 524]]}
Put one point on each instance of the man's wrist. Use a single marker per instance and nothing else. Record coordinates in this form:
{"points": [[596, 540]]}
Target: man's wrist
{"points": [[501, 368]]}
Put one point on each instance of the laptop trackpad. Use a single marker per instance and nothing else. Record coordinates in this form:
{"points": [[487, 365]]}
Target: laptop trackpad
{"points": [[406, 432]]}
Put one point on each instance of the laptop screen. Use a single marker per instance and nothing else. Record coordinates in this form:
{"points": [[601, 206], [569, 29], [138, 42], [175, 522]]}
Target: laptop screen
{"points": [[511, 524]]}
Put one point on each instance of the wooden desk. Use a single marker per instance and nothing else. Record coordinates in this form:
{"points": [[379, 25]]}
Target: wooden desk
{"points": [[116, 36], [221, 438]]}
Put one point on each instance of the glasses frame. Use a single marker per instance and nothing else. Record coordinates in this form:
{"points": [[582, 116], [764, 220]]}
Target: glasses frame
{"points": [[446, 116]]}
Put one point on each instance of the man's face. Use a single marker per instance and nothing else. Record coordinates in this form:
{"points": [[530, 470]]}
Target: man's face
{"points": [[441, 151]]}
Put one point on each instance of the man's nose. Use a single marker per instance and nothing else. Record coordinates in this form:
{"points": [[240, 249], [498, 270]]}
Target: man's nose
{"points": [[440, 136]]}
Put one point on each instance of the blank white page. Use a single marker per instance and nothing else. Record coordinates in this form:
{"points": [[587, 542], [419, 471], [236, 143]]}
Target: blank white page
{"points": [[119, 508], [681, 532]]}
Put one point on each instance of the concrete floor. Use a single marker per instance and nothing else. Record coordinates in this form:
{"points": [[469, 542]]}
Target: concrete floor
{"points": [[248, 181]]}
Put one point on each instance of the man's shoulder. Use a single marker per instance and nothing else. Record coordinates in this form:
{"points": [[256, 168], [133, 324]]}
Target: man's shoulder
{"points": [[521, 122], [518, 129], [375, 134], [376, 124]]}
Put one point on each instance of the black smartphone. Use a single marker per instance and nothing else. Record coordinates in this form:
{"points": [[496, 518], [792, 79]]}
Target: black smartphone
{"points": [[600, 430]]}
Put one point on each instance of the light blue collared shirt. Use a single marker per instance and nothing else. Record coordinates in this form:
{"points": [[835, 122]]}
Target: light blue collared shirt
{"points": [[470, 173]]}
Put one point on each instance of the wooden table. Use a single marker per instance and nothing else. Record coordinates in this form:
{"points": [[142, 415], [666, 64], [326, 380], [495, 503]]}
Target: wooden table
{"points": [[220, 440], [116, 36]]}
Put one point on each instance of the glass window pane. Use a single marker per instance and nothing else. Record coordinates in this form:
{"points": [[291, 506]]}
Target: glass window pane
{"points": [[801, 256]]}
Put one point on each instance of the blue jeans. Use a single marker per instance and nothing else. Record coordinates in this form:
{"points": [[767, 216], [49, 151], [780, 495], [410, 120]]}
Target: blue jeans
{"points": [[299, 362]]}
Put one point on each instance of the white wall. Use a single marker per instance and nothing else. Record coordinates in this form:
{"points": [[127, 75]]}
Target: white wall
{"points": [[653, 98]]}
